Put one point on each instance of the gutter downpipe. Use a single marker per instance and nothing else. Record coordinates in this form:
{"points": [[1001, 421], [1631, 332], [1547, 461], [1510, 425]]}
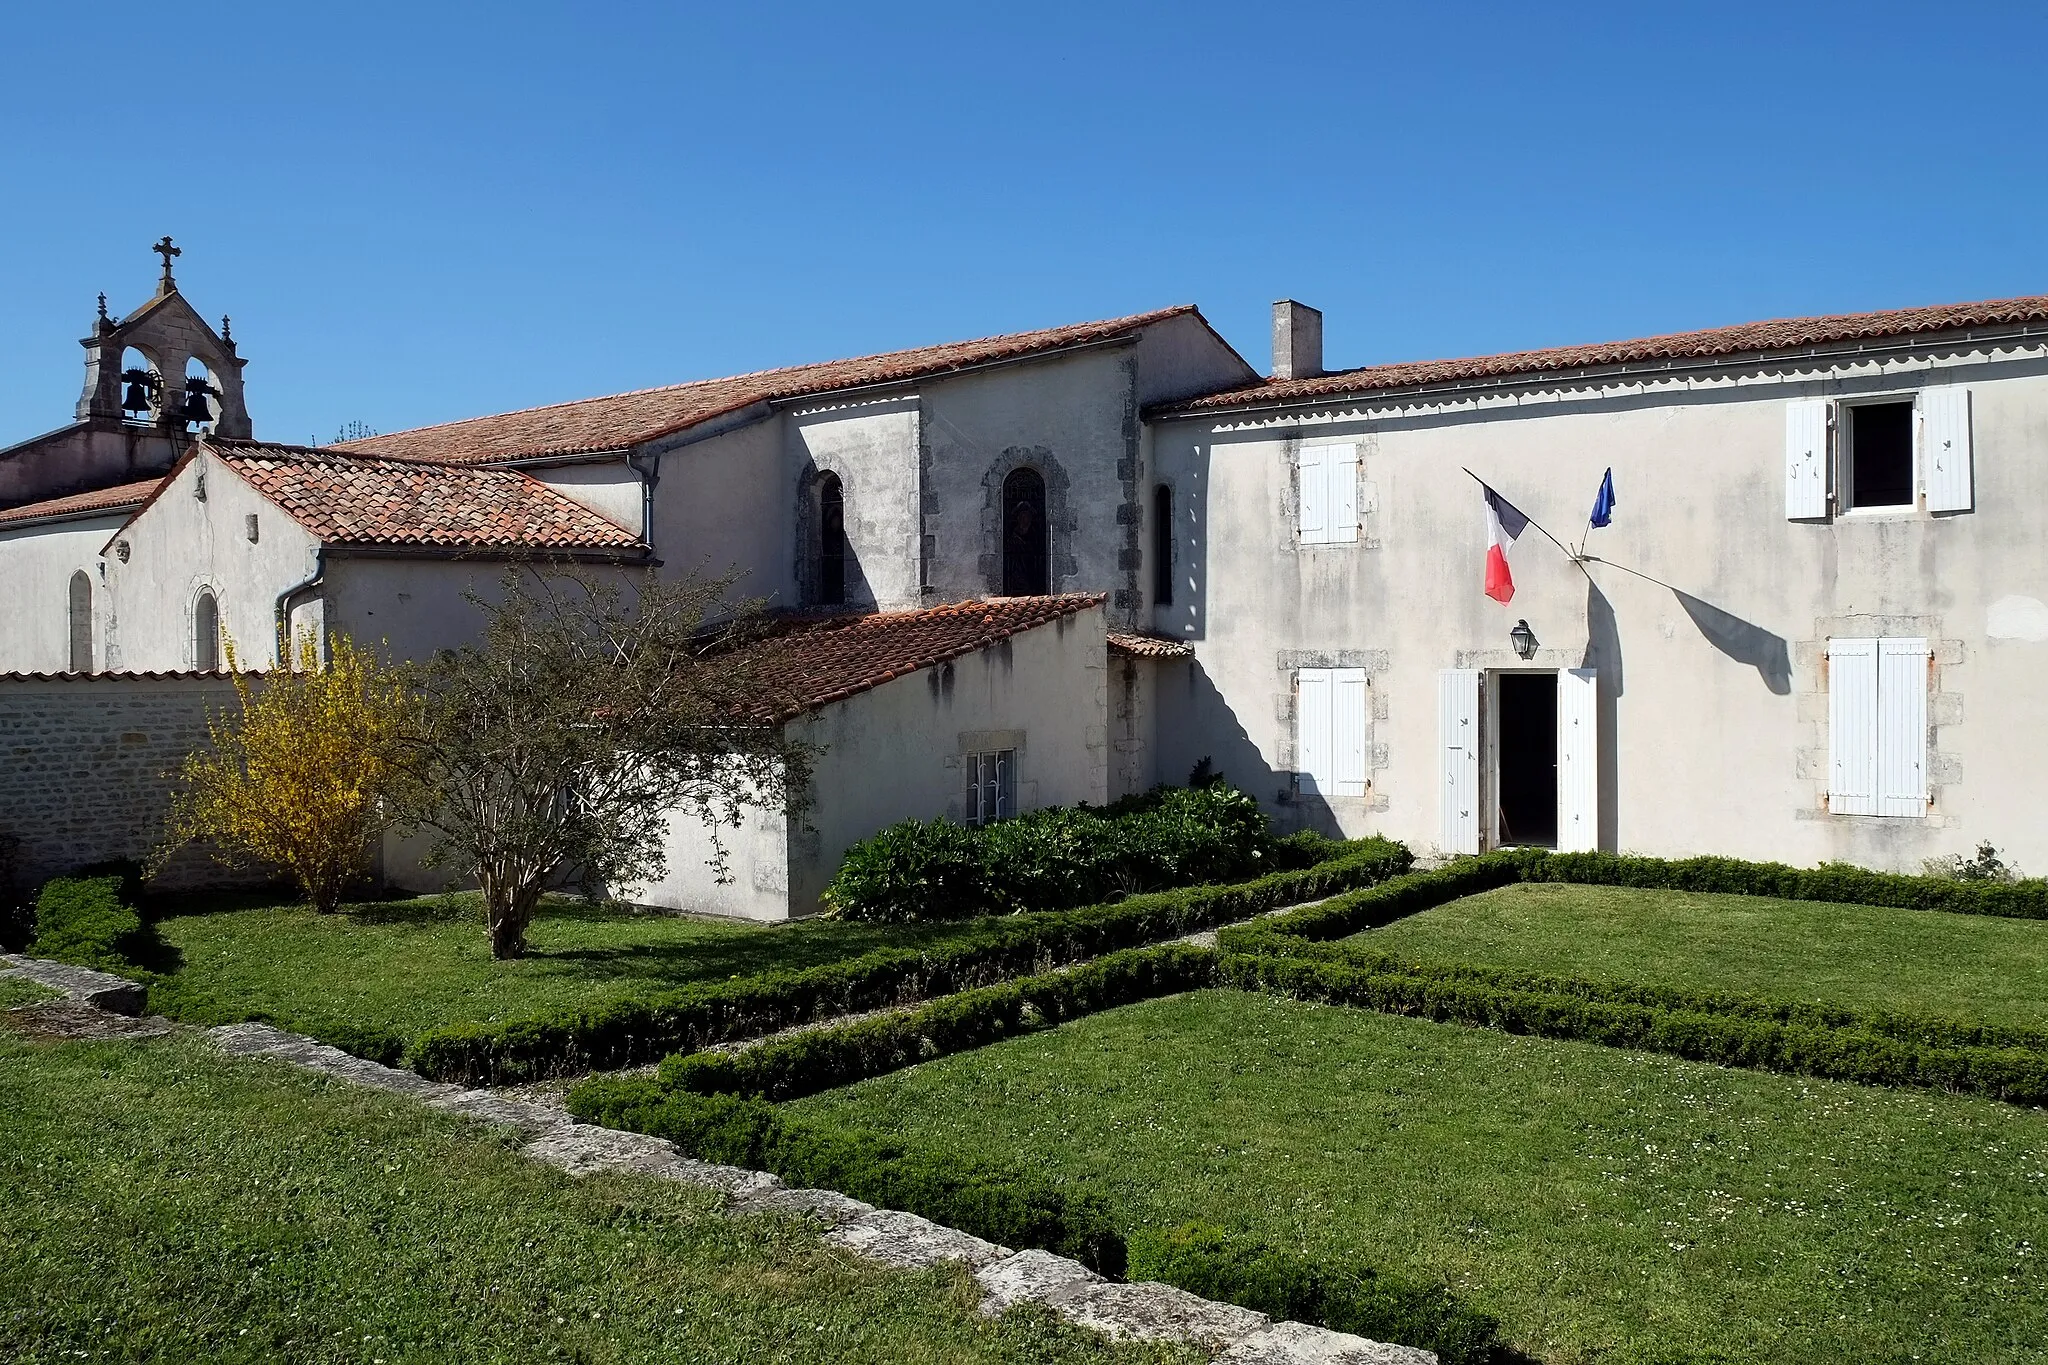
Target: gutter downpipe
{"points": [[650, 475], [288, 599]]}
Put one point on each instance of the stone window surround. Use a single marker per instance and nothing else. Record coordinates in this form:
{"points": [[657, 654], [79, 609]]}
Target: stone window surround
{"points": [[1290, 661], [1060, 523], [1810, 691], [1366, 493]]}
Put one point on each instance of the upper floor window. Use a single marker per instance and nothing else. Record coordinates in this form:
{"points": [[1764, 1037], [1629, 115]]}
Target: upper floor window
{"points": [[1026, 557], [1878, 455], [1162, 546], [831, 541], [79, 618], [205, 632], [1328, 495]]}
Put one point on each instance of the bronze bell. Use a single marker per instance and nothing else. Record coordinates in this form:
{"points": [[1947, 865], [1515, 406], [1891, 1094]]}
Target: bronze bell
{"points": [[137, 398], [197, 410]]}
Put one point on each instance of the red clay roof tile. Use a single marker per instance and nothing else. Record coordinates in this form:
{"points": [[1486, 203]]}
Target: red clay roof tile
{"points": [[628, 419], [1145, 645], [116, 499], [814, 661], [354, 500], [1782, 334]]}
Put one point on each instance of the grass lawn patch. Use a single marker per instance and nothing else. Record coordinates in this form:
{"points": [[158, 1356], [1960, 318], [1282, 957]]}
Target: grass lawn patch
{"points": [[167, 1203], [1606, 1205], [1969, 967], [16, 991], [406, 966]]}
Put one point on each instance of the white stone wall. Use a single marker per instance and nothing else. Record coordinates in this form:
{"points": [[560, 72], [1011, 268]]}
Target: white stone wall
{"points": [[1713, 710], [86, 769], [181, 543], [893, 753], [36, 565]]}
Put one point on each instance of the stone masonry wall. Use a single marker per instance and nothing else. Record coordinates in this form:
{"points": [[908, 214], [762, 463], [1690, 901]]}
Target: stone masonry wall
{"points": [[87, 766]]}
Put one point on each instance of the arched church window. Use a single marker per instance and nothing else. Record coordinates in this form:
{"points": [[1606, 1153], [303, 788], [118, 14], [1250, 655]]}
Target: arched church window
{"points": [[79, 617], [831, 541], [205, 632], [1025, 552], [1162, 546]]}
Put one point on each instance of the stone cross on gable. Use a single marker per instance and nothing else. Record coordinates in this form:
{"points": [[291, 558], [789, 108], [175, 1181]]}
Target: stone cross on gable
{"points": [[167, 251]]}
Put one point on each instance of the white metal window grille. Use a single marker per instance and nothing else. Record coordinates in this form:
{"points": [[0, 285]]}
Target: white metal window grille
{"points": [[1877, 727], [991, 786]]}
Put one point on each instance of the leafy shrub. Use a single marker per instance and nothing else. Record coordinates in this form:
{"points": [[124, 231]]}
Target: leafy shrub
{"points": [[633, 1032], [1985, 866], [1245, 1270], [89, 921], [1007, 1207], [1054, 858], [822, 1059]]}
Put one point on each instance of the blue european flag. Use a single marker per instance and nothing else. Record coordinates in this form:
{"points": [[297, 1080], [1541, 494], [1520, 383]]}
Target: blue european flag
{"points": [[1603, 503]]}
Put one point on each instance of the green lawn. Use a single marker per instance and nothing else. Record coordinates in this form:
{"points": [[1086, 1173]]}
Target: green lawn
{"points": [[16, 991], [164, 1203], [1609, 1206], [1972, 967], [405, 966]]}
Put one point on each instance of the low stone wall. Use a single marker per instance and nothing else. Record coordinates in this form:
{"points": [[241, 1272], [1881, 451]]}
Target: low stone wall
{"points": [[87, 766]]}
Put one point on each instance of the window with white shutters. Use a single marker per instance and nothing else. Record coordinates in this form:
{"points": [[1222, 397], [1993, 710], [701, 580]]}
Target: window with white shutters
{"points": [[1877, 727], [1806, 460], [1329, 731], [1945, 448], [1328, 495]]}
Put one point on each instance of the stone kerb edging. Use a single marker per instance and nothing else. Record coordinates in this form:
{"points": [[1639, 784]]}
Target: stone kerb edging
{"points": [[1144, 1312], [102, 990]]}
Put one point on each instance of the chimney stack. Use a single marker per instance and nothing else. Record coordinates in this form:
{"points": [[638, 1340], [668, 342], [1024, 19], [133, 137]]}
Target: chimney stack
{"points": [[1297, 340]]}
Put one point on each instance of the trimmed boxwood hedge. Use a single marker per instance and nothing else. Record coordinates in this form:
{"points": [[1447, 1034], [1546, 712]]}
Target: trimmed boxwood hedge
{"points": [[1007, 1207], [920, 870], [1347, 1297], [1289, 954], [823, 1059], [1837, 882], [634, 1032], [90, 921]]}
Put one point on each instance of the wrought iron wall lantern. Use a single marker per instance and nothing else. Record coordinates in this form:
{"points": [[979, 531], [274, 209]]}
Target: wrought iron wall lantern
{"points": [[1524, 639]]}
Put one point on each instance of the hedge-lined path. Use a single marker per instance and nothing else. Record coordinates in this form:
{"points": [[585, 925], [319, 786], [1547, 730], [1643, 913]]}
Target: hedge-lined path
{"points": [[1134, 1312]]}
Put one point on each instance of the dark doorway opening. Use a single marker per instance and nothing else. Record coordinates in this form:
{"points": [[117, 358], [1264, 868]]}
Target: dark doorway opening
{"points": [[1527, 775], [1025, 557]]}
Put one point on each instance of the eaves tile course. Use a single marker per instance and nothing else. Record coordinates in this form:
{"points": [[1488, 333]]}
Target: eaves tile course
{"points": [[628, 419], [119, 498], [1145, 645], [814, 661], [1782, 334]]}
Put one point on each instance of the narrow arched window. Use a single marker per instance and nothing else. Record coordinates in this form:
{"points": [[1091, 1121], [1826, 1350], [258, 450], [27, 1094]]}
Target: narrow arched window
{"points": [[1025, 556], [205, 632], [80, 620], [1162, 546], [831, 541]]}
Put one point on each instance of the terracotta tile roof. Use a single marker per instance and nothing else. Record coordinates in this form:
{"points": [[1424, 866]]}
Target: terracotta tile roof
{"points": [[814, 661], [628, 419], [1145, 645], [1783, 334], [139, 675], [352, 500], [116, 499]]}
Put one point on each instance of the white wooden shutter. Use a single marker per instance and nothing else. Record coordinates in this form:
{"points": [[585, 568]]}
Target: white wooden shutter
{"points": [[1945, 448], [1457, 691], [1578, 760], [1347, 730], [1315, 495], [1902, 727], [1342, 463], [1313, 758], [1806, 459], [1852, 727]]}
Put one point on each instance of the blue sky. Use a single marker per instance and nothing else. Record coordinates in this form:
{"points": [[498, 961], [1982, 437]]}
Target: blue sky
{"points": [[417, 213]]}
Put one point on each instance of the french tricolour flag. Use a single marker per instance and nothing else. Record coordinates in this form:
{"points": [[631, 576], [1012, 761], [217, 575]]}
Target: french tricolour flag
{"points": [[1503, 524]]}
